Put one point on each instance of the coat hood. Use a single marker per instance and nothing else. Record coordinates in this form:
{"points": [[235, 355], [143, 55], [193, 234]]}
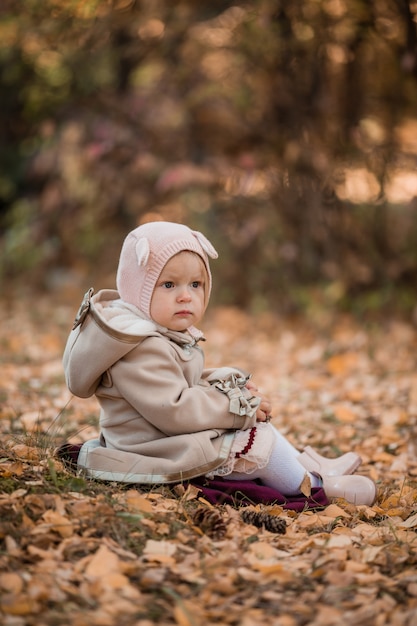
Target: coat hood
{"points": [[104, 331]]}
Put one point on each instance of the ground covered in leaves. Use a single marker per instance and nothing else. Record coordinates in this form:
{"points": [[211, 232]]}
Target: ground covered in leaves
{"points": [[74, 551]]}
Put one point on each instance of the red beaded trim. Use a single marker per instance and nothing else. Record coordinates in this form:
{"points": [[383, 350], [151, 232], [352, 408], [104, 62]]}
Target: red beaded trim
{"points": [[248, 445]]}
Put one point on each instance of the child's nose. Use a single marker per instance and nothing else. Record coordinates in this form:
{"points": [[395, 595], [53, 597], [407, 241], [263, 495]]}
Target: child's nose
{"points": [[184, 294]]}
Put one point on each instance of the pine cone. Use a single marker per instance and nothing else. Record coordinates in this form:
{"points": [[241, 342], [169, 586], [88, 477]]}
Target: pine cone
{"points": [[210, 521], [273, 523]]}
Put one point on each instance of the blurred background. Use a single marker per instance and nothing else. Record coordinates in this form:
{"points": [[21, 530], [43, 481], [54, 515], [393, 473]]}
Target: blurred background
{"points": [[285, 131]]}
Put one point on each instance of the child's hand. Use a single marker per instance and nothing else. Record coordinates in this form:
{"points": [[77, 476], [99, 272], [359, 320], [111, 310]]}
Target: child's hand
{"points": [[263, 413]]}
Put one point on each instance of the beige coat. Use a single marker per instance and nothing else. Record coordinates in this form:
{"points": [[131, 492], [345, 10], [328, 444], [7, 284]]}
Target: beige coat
{"points": [[164, 418]]}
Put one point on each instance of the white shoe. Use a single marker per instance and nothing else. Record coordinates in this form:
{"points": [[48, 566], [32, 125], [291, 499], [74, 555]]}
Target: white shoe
{"points": [[314, 462], [355, 489]]}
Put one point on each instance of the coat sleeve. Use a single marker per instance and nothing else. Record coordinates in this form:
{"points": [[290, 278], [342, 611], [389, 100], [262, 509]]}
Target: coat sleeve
{"points": [[152, 380]]}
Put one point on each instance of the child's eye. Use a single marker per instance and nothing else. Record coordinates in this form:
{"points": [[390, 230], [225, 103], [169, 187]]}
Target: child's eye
{"points": [[168, 284], [195, 284]]}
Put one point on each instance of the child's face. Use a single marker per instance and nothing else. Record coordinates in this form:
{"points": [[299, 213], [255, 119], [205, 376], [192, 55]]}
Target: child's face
{"points": [[178, 300]]}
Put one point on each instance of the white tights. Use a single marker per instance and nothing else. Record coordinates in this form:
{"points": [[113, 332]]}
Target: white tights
{"points": [[283, 472]]}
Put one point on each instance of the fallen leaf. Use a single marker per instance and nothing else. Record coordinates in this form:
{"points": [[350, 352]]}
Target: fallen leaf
{"points": [[305, 487], [137, 503], [18, 604], [338, 541], [109, 554], [410, 522], [26, 452], [103, 562], [160, 551], [59, 523], [333, 510], [343, 413], [342, 364], [184, 616], [11, 582]]}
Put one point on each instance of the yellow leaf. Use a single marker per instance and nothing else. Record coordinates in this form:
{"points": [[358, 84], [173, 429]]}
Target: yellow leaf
{"points": [[411, 522], [354, 395], [412, 589], [12, 469], [27, 523], [335, 511], [103, 563], [181, 616], [275, 510], [400, 464], [18, 604], [59, 505], [344, 414], [383, 457], [137, 503], [316, 382], [305, 486], [192, 492], [339, 541], [11, 582], [160, 551], [26, 452], [397, 511], [114, 581], [341, 364], [59, 523], [356, 567], [313, 519], [277, 570], [372, 554], [262, 550]]}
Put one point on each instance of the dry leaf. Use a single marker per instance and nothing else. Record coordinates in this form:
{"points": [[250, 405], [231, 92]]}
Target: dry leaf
{"points": [[18, 604], [339, 541], [26, 452], [137, 503], [312, 520], [333, 510], [342, 364], [305, 487], [83, 551], [344, 413], [59, 523], [103, 563], [410, 522], [160, 551], [190, 493], [11, 469], [185, 614], [11, 582]]}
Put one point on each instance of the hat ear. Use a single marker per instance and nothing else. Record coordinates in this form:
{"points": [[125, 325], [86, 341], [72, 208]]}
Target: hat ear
{"points": [[142, 251], [205, 244]]}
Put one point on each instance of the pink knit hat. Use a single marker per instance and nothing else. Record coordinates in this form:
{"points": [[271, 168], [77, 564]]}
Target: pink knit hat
{"points": [[145, 252]]}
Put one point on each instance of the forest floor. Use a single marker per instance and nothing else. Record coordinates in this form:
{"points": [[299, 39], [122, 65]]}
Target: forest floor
{"points": [[95, 554]]}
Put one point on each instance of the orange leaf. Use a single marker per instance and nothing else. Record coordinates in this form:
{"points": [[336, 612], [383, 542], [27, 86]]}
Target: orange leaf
{"points": [[343, 413], [182, 617], [18, 604], [305, 486], [11, 582], [137, 503], [335, 511], [341, 364], [26, 452], [58, 523], [411, 522], [103, 563]]}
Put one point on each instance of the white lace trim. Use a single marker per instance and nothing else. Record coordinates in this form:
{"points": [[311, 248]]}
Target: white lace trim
{"points": [[255, 458]]}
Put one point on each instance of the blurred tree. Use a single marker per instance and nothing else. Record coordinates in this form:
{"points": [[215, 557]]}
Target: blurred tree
{"points": [[285, 131]]}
